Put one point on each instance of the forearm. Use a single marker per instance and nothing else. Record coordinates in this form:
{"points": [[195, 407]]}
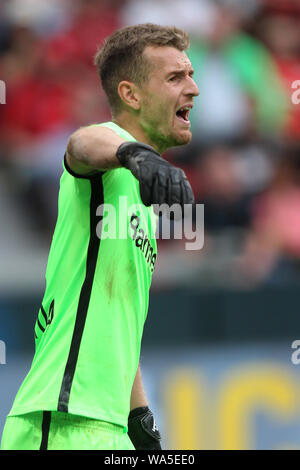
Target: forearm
{"points": [[142, 428], [138, 394], [93, 148]]}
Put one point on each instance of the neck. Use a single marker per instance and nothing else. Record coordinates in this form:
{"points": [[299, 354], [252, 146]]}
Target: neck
{"points": [[130, 124]]}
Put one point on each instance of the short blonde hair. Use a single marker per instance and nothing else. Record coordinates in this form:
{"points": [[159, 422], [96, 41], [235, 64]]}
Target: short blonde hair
{"points": [[121, 56]]}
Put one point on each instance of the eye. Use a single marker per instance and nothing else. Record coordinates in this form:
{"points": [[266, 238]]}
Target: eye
{"points": [[176, 78]]}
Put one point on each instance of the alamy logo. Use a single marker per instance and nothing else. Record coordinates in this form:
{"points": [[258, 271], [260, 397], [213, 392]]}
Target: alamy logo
{"points": [[176, 222], [2, 92], [296, 93], [295, 357], [2, 352]]}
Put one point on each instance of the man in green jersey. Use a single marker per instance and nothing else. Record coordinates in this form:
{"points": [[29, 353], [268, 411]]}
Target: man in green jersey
{"points": [[84, 388]]}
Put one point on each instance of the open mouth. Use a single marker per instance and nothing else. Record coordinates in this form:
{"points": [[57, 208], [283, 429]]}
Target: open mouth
{"points": [[183, 114]]}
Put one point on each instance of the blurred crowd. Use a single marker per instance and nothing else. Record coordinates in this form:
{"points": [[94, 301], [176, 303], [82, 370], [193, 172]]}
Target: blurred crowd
{"points": [[244, 159]]}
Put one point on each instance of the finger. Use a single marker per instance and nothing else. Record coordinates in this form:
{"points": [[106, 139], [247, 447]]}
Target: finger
{"points": [[188, 195], [145, 192], [155, 190], [176, 195], [146, 173], [162, 178]]}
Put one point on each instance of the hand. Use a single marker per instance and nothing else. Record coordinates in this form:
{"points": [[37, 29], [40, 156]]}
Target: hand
{"points": [[160, 182], [142, 429]]}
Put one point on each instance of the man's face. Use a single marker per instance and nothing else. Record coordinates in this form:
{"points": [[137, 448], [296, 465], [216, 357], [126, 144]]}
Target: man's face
{"points": [[167, 97]]}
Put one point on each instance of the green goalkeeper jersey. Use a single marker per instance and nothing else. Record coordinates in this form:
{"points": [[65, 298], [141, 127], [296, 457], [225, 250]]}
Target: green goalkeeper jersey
{"points": [[89, 327]]}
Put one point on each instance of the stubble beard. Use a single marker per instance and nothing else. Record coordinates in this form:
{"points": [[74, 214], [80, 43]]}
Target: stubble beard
{"points": [[163, 140]]}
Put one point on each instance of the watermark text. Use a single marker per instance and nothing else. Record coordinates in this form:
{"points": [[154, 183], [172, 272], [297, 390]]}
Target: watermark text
{"points": [[296, 93], [118, 222], [2, 352], [295, 357], [2, 92]]}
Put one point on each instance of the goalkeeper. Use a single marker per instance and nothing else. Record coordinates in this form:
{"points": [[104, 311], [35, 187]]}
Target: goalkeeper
{"points": [[84, 389]]}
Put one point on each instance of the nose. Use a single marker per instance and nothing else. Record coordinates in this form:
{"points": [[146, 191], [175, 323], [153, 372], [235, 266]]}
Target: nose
{"points": [[192, 88], [197, 92], [196, 89]]}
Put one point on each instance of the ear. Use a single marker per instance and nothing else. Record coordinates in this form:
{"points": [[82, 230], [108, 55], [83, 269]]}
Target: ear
{"points": [[129, 94]]}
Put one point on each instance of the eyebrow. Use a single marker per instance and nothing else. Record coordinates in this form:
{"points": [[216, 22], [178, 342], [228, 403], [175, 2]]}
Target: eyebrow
{"points": [[180, 72]]}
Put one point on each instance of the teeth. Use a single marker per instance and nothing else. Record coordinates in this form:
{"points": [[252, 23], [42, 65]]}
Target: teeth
{"points": [[186, 111]]}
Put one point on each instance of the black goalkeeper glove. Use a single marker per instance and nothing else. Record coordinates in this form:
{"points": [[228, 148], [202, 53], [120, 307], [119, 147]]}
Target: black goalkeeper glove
{"points": [[160, 182], [142, 429]]}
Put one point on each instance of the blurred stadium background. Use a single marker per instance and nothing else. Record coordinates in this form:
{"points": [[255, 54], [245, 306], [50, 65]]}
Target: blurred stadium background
{"points": [[217, 355]]}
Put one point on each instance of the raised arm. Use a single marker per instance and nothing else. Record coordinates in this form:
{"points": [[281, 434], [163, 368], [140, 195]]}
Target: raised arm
{"points": [[93, 148]]}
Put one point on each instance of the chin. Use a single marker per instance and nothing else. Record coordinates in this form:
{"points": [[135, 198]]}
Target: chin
{"points": [[176, 140], [184, 138]]}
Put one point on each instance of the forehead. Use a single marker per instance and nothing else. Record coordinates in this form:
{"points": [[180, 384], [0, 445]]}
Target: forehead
{"points": [[167, 59]]}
